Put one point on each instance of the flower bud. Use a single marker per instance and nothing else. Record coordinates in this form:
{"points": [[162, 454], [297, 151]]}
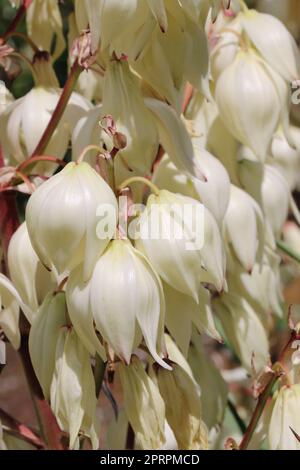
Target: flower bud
{"points": [[183, 407], [178, 221], [244, 331], [278, 47], [43, 337], [244, 227], [214, 390], [285, 419], [122, 276], [72, 392], [143, 405], [59, 233], [249, 102], [29, 276]]}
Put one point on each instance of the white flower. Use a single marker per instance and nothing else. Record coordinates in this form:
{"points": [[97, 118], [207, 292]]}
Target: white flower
{"points": [[61, 218], [44, 23], [214, 390], [285, 418], [244, 227], [24, 121], [286, 158], [213, 192], [182, 312], [125, 299], [250, 102], [43, 337], [277, 199], [143, 405], [122, 99], [29, 276], [184, 269], [244, 330], [72, 392], [181, 395], [274, 42]]}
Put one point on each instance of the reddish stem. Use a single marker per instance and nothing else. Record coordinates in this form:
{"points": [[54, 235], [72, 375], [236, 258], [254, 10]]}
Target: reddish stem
{"points": [[9, 219], [40, 158], [17, 19], [20, 430], [59, 110]]}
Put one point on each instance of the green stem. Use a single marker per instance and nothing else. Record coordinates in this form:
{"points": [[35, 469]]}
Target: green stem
{"points": [[59, 110], [242, 426], [288, 250], [99, 372]]}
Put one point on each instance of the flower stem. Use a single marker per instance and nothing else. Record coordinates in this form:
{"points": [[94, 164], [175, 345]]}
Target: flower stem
{"points": [[139, 179], [237, 417], [17, 19], [278, 371], [288, 250], [59, 110], [99, 372], [263, 398]]}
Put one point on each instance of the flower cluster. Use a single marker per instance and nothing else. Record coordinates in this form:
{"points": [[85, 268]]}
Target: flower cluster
{"points": [[178, 104]]}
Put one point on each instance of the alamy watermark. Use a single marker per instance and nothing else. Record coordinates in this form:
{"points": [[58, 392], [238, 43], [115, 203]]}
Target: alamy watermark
{"points": [[171, 222]]}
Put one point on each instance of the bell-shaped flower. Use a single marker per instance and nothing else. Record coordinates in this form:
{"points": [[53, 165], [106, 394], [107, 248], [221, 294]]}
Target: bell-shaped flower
{"points": [[182, 241], [24, 121], [122, 99], [225, 46], [182, 312], [285, 419], [213, 193], [262, 288], [72, 391], [249, 102], [214, 390], [277, 200], [43, 337], [182, 399], [244, 331], [44, 24], [62, 217], [31, 279], [143, 405], [278, 47], [286, 158], [122, 276], [244, 228]]}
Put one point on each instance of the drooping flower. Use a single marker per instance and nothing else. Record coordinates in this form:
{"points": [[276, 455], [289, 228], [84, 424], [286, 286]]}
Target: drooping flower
{"points": [[124, 298], [186, 248], [62, 218], [143, 405]]}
